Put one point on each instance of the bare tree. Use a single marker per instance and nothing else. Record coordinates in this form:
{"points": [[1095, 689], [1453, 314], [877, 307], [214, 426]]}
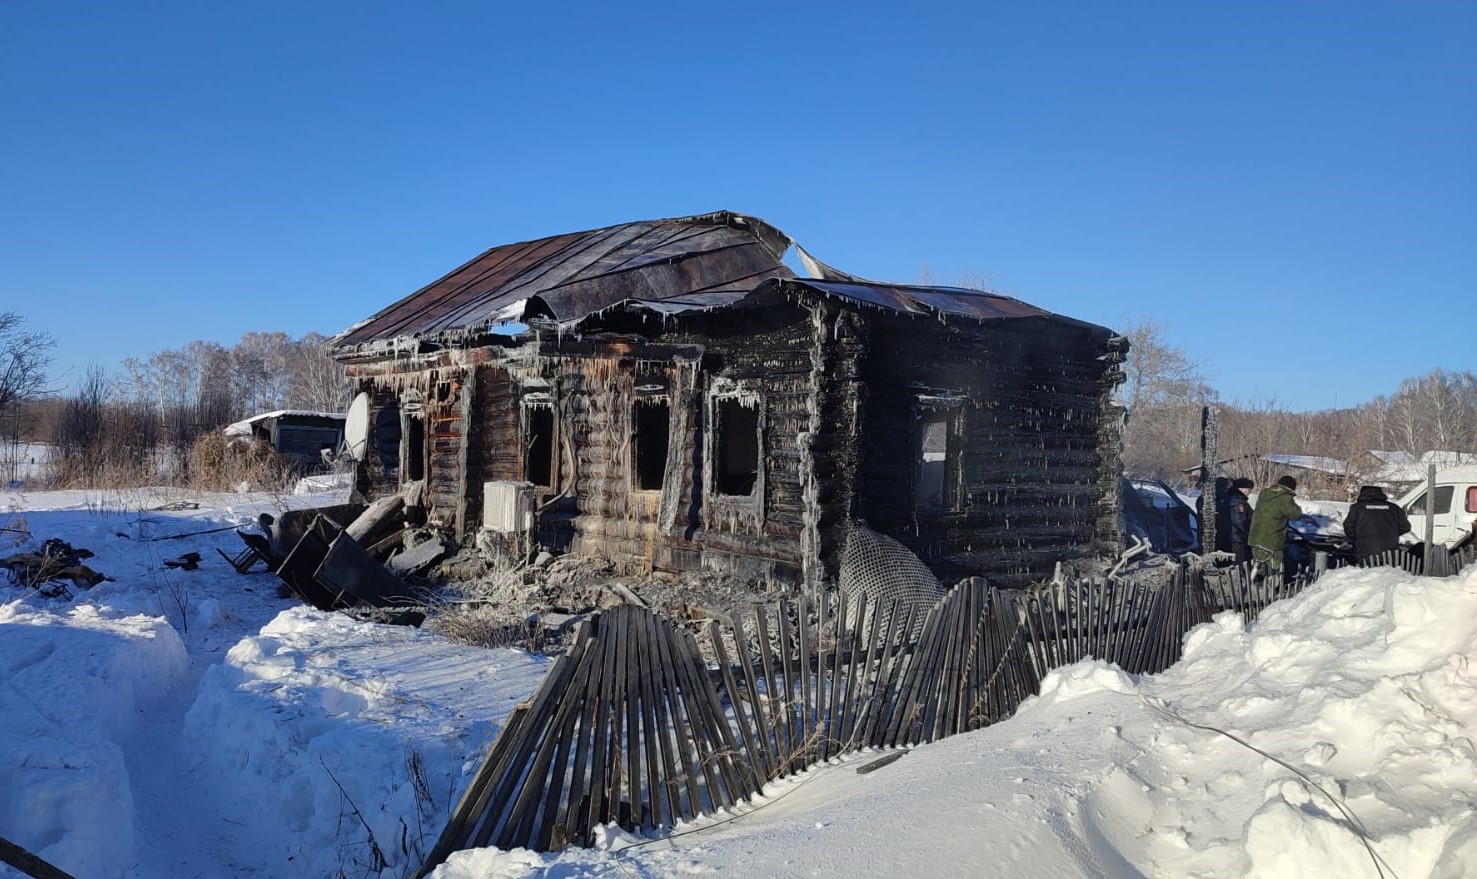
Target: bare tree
{"points": [[1163, 391], [1435, 411], [316, 381], [24, 357], [80, 433]]}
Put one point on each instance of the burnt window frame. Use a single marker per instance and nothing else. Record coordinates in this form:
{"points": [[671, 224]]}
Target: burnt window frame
{"points": [[948, 410], [415, 439], [720, 443], [543, 405], [388, 447], [637, 468], [723, 511]]}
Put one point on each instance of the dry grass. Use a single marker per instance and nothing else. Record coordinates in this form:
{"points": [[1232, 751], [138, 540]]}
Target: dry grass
{"points": [[221, 463], [491, 611]]}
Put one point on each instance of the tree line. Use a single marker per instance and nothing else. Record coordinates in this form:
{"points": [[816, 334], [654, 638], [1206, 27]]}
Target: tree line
{"points": [[1165, 391], [143, 421], [142, 424]]}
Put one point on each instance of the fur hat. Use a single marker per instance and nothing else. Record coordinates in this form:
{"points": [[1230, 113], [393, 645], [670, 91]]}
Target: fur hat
{"points": [[1242, 482], [1289, 482]]}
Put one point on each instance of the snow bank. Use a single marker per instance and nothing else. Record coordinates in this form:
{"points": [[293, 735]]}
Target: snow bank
{"points": [[342, 744], [70, 682], [1363, 684]]}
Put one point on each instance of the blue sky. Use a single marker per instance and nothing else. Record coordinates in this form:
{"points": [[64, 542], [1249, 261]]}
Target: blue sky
{"points": [[1289, 188]]}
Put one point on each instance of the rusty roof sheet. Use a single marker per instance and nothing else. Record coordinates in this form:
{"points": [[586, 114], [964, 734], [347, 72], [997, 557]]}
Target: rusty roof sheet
{"points": [[573, 275]]}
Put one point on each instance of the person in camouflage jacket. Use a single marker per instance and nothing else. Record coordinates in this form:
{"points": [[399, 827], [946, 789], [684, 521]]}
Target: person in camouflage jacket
{"points": [[1275, 507]]}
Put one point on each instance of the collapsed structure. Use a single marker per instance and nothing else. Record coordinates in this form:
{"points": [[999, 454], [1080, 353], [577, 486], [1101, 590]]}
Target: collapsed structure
{"points": [[669, 395]]}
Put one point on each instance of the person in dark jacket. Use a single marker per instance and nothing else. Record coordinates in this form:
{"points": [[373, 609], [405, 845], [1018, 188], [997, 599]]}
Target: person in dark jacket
{"points": [[1275, 507], [1374, 524], [1238, 519]]}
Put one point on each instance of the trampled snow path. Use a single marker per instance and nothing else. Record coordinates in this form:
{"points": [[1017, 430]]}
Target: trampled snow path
{"points": [[178, 827]]}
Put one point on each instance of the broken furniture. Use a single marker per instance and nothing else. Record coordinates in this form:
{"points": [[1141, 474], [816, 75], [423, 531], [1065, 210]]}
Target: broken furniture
{"points": [[46, 570], [327, 564]]}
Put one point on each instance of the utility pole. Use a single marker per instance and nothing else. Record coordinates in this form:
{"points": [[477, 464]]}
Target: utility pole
{"points": [[1210, 438]]}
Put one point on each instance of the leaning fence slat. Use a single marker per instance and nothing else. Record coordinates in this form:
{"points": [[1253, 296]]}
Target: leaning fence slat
{"points": [[634, 733], [733, 763], [653, 734], [687, 759], [705, 724], [880, 697], [884, 694], [789, 671], [606, 773], [550, 833], [822, 715], [752, 750], [805, 651], [832, 742], [776, 705], [763, 723], [857, 667], [515, 760], [667, 778]]}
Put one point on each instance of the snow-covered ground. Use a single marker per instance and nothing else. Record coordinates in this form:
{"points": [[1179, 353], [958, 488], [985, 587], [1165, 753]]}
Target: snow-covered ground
{"points": [[23, 463], [186, 724]]}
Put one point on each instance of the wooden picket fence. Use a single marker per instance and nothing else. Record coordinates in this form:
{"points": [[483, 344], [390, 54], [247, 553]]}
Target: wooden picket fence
{"points": [[1441, 564], [645, 722]]}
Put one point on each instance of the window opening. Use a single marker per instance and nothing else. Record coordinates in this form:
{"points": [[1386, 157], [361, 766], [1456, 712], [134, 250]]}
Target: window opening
{"points": [[653, 421], [387, 438], [932, 486], [538, 445], [1472, 498], [305, 440], [736, 463], [415, 449]]}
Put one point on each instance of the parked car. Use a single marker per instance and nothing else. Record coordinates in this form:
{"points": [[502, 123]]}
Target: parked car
{"points": [[1453, 512]]}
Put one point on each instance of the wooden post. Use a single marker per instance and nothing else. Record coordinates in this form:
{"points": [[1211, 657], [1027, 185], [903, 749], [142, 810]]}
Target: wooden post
{"points": [[1430, 538], [1209, 451]]}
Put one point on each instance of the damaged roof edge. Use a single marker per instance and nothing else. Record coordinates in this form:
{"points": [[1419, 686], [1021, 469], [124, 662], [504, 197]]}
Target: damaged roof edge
{"points": [[980, 305]]}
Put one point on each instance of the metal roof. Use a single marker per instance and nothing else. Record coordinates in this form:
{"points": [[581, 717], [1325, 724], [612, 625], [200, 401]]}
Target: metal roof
{"points": [[685, 264], [573, 275]]}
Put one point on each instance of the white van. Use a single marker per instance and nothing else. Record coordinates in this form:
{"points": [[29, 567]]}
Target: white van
{"points": [[1455, 507]]}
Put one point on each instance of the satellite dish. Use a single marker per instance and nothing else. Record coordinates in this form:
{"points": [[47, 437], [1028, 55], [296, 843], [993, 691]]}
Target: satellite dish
{"points": [[356, 428]]}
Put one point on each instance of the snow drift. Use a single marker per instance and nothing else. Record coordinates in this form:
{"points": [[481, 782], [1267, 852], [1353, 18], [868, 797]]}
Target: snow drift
{"points": [[197, 725]]}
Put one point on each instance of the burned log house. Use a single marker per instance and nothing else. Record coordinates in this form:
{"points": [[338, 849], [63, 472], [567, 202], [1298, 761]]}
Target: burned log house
{"points": [[678, 399]]}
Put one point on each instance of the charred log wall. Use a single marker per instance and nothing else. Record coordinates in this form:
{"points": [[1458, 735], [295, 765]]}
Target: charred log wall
{"points": [[1027, 452], [1032, 452], [766, 357], [418, 417]]}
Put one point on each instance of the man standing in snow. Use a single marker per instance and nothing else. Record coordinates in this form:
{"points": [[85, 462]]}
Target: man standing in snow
{"points": [[1374, 525], [1238, 518], [1275, 507]]}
